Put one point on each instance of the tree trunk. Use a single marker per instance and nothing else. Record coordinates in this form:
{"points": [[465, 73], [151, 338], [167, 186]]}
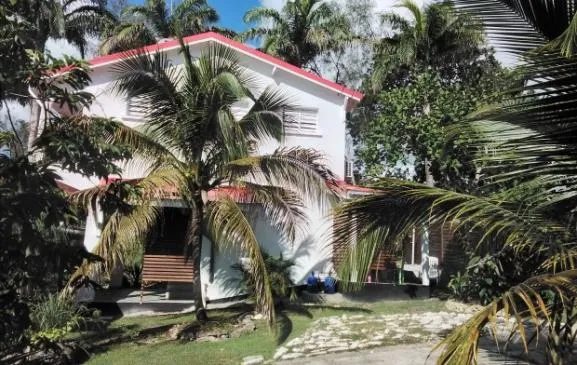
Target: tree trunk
{"points": [[194, 243], [34, 124], [429, 179]]}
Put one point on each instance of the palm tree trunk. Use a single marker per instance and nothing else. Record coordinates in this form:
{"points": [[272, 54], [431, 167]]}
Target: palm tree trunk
{"points": [[194, 242], [33, 126], [429, 179]]}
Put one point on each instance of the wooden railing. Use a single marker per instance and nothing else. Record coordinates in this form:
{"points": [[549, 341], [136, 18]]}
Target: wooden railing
{"points": [[166, 268]]}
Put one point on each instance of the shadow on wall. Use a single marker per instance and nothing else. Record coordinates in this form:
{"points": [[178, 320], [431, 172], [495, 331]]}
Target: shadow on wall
{"points": [[314, 263]]}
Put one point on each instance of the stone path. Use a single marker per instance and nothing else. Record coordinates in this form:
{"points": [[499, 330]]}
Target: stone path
{"points": [[357, 332], [393, 355]]}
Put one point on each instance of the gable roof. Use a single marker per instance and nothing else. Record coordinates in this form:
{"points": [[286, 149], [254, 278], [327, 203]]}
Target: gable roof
{"points": [[238, 46]]}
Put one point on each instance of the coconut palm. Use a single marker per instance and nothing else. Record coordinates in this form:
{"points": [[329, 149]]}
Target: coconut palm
{"points": [[434, 37], [148, 23], [532, 152], [198, 147], [300, 32], [72, 20]]}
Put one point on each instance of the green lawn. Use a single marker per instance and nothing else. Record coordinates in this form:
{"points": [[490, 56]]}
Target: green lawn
{"points": [[231, 351]]}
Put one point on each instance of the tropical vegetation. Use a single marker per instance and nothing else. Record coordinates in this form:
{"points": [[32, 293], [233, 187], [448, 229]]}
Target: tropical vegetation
{"points": [[142, 25], [524, 150], [301, 32], [495, 150], [431, 72]]}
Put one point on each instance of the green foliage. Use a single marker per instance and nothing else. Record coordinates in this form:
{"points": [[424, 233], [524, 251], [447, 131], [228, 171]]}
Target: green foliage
{"points": [[279, 271], [300, 32], [484, 280], [395, 129], [145, 24], [54, 317], [428, 76], [526, 147], [73, 20], [82, 148]]}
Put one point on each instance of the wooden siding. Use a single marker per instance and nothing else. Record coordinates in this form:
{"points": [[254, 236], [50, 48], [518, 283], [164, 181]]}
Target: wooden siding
{"points": [[169, 268]]}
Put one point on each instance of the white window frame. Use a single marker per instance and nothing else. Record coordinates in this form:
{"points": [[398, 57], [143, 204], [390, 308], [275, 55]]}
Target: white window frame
{"points": [[302, 126], [349, 167], [133, 115]]}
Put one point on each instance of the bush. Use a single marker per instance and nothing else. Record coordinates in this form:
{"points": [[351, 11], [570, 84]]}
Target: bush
{"points": [[53, 318], [279, 271]]}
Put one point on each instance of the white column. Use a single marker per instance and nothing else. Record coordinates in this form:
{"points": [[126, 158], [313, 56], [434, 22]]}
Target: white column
{"points": [[93, 228], [425, 255], [413, 239]]}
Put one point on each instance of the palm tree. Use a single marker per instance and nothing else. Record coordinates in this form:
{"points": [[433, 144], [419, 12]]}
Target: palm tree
{"points": [[435, 37], [300, 32], [146, 24], [71, 20], [195, 144], [533, 153]]}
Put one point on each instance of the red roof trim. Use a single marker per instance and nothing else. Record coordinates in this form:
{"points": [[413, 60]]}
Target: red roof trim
{"points": [[197, 38], [68, 189], [354, 188]]}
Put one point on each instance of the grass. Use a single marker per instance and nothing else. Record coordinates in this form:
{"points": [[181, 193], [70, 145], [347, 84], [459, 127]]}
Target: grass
{"points": [[293, 322]]}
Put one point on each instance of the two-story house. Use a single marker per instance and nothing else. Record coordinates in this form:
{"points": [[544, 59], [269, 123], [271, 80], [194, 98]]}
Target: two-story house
{"points": [[318, 123]]}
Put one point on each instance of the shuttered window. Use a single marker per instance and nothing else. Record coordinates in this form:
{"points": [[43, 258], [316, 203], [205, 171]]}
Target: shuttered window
{"points": [[136, 107], [301, 121]]}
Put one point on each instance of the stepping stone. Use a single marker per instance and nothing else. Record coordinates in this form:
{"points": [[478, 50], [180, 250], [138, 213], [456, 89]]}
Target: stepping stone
{"points": [[253, 360]]}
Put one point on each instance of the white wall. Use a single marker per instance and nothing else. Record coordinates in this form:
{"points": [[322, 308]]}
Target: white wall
{"points": [[311, 250]]}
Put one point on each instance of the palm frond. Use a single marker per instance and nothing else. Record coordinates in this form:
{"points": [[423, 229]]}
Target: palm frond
{"points": [[518, 26], [121, 232], [229, 226], [282, 207], [299, 169], [523, 304]]}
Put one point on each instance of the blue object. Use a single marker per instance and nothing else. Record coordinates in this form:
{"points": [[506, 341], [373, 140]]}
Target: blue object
{"points": [[312, 282], [330, 285]]}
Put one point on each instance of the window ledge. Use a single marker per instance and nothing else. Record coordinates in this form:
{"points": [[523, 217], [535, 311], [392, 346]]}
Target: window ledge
{"points": [[297, 134], [129, 118]]}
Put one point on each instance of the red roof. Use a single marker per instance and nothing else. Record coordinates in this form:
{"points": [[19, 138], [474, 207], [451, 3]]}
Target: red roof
{"points": [[69, 190], [353, 188], [211, 36]]}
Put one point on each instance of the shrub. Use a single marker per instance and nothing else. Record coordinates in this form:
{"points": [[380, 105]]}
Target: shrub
{"points": [[279, 271], [53, 318]]}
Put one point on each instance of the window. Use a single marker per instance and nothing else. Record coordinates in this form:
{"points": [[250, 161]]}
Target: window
{"points": [[301, 121], [136, 107], [348, 168]]}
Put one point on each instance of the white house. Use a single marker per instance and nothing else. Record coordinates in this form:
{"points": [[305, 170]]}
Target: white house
{"points": [[318, 123]]}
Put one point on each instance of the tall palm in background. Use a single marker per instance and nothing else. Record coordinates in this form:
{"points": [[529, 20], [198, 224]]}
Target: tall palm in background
{"points": [[532, 152], [146, 24], [300, 32], [72, 20], [430, 38], [197, 146]]}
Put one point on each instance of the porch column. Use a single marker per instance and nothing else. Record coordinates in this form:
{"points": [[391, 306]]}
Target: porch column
{"points": [[425, 255]]}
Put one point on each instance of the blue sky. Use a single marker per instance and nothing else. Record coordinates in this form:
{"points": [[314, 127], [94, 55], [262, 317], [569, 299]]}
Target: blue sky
{"points": [[230, 11]]}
